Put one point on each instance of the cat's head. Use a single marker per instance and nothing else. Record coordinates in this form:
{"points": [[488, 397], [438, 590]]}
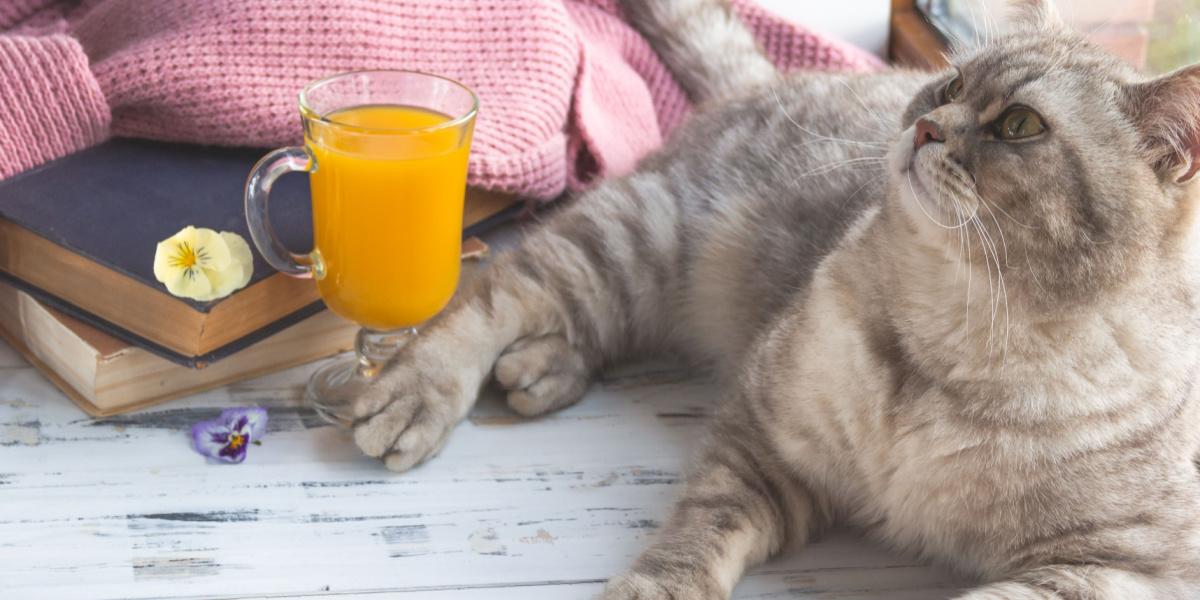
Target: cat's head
{"points": [[1042, 156]]}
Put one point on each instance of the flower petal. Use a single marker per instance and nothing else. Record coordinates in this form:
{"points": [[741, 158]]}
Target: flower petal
{"points": [[187, 235], [239, 253], [211, 251], [233, 454], [190, 283], [222, 284], [202, 264], [255, 421], [210, 437], [163, 269], [237, 273]]}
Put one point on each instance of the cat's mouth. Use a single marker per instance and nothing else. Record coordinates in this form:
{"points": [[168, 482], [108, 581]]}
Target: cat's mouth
{"points": [[928, 201], [904, 159], [930, 206], [919, 194], [913, 174]]}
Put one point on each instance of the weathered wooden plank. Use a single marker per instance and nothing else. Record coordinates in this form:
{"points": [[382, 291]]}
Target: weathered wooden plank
{"points": [[549, 508]]}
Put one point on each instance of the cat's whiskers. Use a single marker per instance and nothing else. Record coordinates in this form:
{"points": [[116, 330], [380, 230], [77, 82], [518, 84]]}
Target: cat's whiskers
{"points": [[973, 186], [1012, 218], [832, 140], [970, 279], [921, 206], [1032, 272], [946, 249], [960, 186], [1003, 241], [1000, 231], [1089, 240], [961, 213], [989, 28], [983, 245], [862, 187], [975, 26], [835, 165], [819, 136], [1001, 295], [964, 232], [879, 120], [1000, 290], [972, 190], [962, 242], [1105, 24]]}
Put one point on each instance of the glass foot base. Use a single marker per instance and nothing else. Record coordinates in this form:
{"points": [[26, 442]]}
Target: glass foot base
{"points": [[333, 388]]}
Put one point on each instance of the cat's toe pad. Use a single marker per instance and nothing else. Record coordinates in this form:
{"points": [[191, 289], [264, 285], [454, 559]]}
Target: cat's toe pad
{"points": [[406, 417], [542, 374], [639, 586]]}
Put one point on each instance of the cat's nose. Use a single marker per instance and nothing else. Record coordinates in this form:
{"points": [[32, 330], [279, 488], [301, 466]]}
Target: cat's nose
{"points": [[927, 131]]}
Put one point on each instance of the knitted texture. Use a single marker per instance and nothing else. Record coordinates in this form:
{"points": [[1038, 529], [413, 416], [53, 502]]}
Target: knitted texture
{"points": [[13, 12], [50, 105], [568, 90]]}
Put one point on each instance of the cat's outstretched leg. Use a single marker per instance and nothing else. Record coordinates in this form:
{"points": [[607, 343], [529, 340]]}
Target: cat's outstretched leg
{"points": [[594, 283], [1094, 582], [740, 507]]}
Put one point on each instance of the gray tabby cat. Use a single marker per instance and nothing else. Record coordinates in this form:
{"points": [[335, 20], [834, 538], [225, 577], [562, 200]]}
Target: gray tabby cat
{"points": [[957, 311]]}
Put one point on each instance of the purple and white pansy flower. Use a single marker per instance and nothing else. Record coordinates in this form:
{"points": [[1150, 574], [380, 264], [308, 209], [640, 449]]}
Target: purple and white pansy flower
{"points": [[227, 437]]}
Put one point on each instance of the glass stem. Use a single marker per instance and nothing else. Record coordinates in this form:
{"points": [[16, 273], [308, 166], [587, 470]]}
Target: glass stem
{"points": [[376, 348]]}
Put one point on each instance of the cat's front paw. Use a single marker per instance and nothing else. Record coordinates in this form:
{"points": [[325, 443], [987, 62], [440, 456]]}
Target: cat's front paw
{"points": [[668, 586], [406, 416]]}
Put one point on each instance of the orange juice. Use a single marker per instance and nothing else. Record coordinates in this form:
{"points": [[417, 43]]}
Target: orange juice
{"points": [[387, 212]]}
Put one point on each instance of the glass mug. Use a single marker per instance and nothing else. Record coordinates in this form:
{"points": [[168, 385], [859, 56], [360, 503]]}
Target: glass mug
{"points": [[386, 153]]}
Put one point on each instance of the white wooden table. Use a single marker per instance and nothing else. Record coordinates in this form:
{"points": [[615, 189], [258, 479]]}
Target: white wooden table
{"points": [[545, 509]]}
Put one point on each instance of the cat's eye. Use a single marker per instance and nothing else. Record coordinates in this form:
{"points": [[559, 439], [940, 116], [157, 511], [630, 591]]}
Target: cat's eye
{"points": [[953, 89], [1019, 122]]}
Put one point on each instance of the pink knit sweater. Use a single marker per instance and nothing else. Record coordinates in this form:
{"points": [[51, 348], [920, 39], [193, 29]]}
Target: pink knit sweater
{"points": [[569, 91]]}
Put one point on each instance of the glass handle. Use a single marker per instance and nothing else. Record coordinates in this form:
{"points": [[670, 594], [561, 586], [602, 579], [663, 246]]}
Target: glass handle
{"points": [[258, 188]]}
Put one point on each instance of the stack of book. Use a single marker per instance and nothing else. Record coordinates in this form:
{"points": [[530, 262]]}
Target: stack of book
{"points": [[79, 300]]}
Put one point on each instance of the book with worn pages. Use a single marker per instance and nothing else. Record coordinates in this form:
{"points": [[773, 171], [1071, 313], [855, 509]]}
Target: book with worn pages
{"points": [[105, 375]]}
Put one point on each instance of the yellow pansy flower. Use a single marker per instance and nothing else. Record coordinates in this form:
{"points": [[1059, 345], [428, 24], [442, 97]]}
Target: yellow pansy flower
{"points": [[202, 264]]}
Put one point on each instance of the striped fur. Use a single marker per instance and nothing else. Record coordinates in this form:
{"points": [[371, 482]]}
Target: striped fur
{"points": [[685, 32], [1037, 432]]}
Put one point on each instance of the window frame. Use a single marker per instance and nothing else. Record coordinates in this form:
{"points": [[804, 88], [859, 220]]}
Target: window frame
{"points": [[913, 41]]}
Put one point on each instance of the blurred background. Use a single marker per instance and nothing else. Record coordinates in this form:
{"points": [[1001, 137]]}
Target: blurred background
{"points": [[1158, 35], [863, 23]]}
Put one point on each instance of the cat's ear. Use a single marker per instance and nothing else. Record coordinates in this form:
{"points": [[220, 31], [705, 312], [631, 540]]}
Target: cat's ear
{"points": [[1166, 112], [1037, 14]]}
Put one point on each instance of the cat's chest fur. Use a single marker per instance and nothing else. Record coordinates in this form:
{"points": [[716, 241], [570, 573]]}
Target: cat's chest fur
{"points": [[947, 468]]}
